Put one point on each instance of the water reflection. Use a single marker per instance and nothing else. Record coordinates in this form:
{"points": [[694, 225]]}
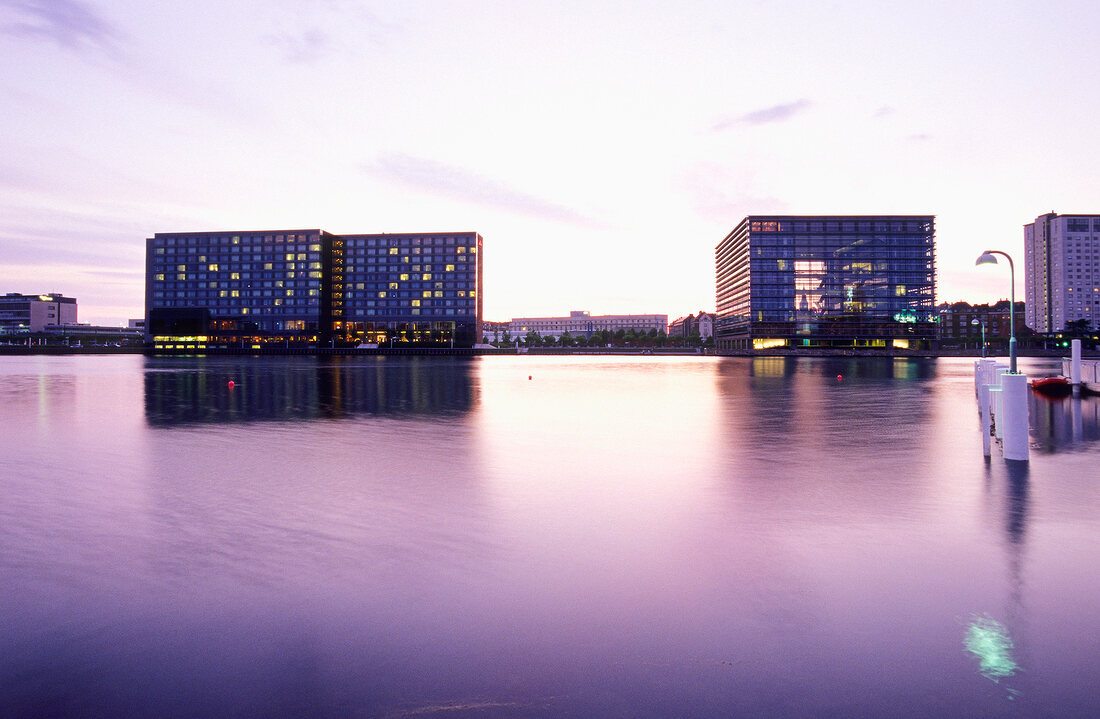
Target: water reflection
{"points": [[549, 536], [1062, 423], [198, 390]]}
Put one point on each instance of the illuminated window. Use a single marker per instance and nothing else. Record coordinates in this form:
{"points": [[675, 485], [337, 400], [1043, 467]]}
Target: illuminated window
{"points": [[181, 276], [212, 267], [181, 268], [404, 277], [450, 268], [234, 275], [393, 285], [160, 277], [426, 293], [426, 276], [393, 250], [416, 303], [235, 293], [382, 293]]}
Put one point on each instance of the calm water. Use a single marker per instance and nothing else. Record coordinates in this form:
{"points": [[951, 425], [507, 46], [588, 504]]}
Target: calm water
{"points": [[539, 537]]}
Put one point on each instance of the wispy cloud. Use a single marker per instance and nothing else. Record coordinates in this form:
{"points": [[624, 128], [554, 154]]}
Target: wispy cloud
{"points": [[722, 196], [305, 47], [764, 116], [71, 24], [306, 31], [460, 184]]}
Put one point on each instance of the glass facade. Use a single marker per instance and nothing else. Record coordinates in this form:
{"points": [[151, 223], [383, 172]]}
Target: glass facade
{"points": [[828, 281], [418, 288], [305, 287]]}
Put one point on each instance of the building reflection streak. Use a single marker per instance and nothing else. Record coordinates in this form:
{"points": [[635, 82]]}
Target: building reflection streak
{"points": [[197, 390], [1061, 423]]}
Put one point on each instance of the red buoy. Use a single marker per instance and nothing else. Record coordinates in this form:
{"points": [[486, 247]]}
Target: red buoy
{"points": [[528, 376], [231, 384], [839, 377]]}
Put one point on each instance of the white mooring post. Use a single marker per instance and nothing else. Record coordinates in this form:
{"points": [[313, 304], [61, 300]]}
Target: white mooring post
{"points": [[1075, 363], [983, 410], [1013, 418], [995, 416]]}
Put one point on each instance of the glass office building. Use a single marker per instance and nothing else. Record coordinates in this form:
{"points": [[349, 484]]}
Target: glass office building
{"points": [[853, 281], [299, 288]]}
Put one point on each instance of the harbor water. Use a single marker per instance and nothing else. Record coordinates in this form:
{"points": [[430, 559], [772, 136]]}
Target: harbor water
{"points": [[540, 537]]}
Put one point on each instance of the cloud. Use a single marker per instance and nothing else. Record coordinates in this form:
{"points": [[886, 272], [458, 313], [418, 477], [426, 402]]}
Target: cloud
{"points": [[723, 197], [305, 47], [885, 111], [459, 184], [920, 137], [764, 116], [72, 24]]}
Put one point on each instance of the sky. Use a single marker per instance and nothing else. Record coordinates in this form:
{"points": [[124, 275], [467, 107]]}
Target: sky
{"points": [[602, 149]]}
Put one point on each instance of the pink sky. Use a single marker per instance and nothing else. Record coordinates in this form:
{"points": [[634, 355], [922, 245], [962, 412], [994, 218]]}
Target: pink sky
{"points": [[601, 148]]}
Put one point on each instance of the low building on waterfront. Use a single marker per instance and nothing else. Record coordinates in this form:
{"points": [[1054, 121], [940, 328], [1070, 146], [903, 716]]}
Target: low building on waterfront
{"points": [[836, 281], [960, 324], [24, 314], [310, 287], [701, 325], [580, 323]]}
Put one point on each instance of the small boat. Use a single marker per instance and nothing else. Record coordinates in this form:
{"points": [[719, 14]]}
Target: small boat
{"points": [[1052, 386]]}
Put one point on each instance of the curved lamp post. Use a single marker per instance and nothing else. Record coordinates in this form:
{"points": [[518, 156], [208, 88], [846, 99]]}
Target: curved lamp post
{"points": [[980, 322], [987, 258]]}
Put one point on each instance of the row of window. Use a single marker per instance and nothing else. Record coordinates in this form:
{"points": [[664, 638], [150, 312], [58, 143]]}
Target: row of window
{"points": [[1081, 224], [461, 251], [861, 226]]}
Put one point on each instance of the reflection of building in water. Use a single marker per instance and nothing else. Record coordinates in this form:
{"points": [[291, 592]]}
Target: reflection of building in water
{"points": [[833, 281], [1060, 422], [177, 393]]}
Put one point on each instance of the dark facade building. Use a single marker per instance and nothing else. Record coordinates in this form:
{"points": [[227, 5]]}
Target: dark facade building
{"points": [[958, 330], [310, 287], [827, 281]]}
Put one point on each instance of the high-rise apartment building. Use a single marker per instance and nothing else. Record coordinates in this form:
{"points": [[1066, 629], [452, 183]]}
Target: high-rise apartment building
{"points": [[827, 281], [1062, 271], [307, 287]]}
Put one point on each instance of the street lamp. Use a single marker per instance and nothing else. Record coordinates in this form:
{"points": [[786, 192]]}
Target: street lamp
{"points": [[987, 258], [982, 323]]}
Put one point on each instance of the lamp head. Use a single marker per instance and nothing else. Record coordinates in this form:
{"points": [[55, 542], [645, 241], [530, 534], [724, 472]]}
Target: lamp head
{"points": [[975, 322], [986, 258]]}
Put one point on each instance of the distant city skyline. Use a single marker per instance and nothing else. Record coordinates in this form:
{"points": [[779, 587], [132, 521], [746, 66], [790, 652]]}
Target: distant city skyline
{"points": [[602, 150]]}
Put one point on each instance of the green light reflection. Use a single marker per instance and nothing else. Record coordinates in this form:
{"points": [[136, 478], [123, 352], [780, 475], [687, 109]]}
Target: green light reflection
{"points": [[988, 640]]}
